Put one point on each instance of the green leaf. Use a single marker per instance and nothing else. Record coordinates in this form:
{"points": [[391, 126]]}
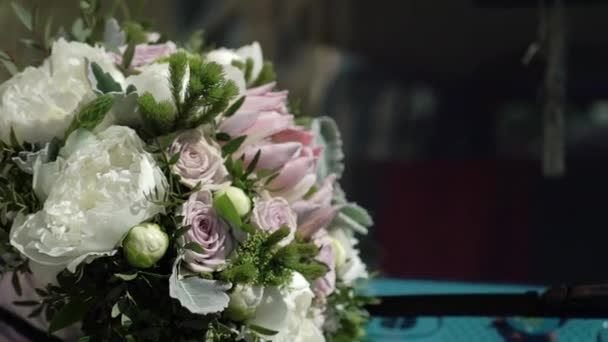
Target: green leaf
{"points": [[71, 313], [25, 17], [234, 107], [125, 277], [84, 339], [174, 159], [127, 57], [261, 330], [92, 114], [221, 136], [193, 246], [102, 81], [199, 296], [178, 66], [181, 231], [253, 163], [233, 145], [226, 209]]}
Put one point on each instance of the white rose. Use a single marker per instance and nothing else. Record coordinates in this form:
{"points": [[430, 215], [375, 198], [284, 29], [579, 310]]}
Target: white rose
{"points": [[285, 309], [39, 103], [349, 266], [93, 194], [225, 57]]}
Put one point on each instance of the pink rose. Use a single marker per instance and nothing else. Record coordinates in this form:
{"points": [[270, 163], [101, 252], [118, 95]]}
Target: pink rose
{"points": [[199, 160], [209, 230], [317, 212], [273, 213], [146, 54]]}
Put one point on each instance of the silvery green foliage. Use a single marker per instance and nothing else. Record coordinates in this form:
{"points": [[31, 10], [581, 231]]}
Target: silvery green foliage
{"points": [[113, 35], [355, 217], [200, 296], [328, 137]]}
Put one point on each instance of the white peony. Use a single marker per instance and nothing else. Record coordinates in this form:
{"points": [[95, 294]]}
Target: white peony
{"points": [[93, 194], [39, 103], [285, 309], [349, 266]]}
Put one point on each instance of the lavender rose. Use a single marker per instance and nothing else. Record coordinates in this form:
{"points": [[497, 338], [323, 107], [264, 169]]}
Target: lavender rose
{"points": [[209, 231], [199, 160], [272, 213]]}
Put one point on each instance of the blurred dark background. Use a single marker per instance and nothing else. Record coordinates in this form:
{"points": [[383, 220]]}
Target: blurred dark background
{"points": [[441, 122]]}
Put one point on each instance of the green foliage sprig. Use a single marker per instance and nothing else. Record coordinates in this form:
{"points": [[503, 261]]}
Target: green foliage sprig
{"points": [[347, 307], [260, 261]]}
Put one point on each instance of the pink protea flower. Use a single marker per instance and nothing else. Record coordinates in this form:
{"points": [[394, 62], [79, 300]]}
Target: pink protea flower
{"points": [[325, 285], [316, 212], [285, 147]]}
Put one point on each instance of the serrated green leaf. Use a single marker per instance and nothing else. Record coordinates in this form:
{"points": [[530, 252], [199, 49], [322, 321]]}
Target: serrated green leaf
{"points": [[92, 114], [227, 210], [126, 277], [261, 330], [25, 17], [71, 313], [234, 107], [233, 145], [102, 81]]}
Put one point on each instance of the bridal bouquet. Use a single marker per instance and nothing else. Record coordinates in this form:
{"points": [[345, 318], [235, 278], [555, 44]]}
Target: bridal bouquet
{"points": [[157, 192]]}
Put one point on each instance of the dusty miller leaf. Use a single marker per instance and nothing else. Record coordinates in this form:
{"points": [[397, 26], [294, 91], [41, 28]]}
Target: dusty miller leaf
{"points": [[328, 137], [200, 296]]}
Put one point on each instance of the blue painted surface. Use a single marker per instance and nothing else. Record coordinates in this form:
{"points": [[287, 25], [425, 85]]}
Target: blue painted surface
{"points": [[472, 329]]}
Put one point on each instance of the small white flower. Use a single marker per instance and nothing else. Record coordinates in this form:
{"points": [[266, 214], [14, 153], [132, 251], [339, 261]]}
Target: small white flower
{"points": [[93, 194], [39, 103], [349, 266], [226, 57], [285, 309]]}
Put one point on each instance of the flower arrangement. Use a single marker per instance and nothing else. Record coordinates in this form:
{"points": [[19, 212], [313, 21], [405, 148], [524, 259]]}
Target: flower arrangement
{"points": [[162, 192]]}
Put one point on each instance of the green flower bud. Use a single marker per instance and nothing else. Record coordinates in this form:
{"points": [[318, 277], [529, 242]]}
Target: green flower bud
{"points": [[145, 245], [243, 302], [241, 202]]}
